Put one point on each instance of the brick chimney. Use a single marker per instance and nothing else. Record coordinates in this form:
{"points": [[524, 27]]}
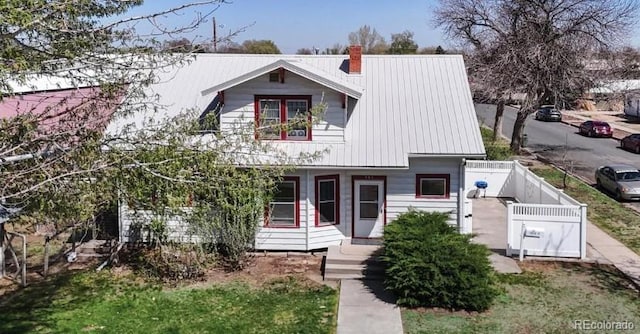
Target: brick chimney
{"points": [[355, 59]]}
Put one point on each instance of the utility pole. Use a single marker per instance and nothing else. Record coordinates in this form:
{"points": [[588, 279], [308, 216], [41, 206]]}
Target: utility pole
{"points": [[215, 36]]}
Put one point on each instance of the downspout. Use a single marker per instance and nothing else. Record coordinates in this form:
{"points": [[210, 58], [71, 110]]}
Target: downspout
{"points": [[461, 196], [306, 212], [346, 118]]}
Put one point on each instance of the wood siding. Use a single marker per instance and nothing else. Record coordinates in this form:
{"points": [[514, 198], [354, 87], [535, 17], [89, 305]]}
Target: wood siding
{"points": [[401, 195], [239, 104]]}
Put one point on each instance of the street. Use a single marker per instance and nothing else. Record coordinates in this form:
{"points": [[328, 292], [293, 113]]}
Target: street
{"points": [[561, 144]]}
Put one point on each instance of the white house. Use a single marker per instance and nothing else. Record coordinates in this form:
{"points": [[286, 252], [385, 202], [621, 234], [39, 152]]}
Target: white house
{"points": [[395, 135]]}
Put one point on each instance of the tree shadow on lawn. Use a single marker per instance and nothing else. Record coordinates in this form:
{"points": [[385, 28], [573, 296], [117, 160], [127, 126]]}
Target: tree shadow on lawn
{"points": [[605, 276], [30, 308]]}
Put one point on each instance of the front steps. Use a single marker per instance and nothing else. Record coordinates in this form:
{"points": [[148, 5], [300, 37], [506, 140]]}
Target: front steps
{"points": [[93, 250], [349, 261]]}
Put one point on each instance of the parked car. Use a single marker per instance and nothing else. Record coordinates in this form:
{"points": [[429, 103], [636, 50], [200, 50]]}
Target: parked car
{"points": [[623, 181], [596, 129], [548, 113], [631, 142]]}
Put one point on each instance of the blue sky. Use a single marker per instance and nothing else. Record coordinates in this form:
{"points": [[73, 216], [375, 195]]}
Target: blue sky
{"points": [[294, 24]]}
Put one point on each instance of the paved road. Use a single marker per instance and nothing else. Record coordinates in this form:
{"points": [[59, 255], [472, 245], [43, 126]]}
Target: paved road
{"points": [[559, 141]]}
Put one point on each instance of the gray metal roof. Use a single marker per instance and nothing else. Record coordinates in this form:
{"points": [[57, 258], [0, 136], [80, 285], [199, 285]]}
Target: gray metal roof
{"points": [[411, 105]]}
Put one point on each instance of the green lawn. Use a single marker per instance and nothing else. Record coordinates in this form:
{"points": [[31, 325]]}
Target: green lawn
{"points": [[496, 150], [546, 298], [614, 218], [103, 303]]}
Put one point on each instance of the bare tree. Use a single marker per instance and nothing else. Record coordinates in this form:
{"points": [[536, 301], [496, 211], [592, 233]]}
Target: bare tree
{"points": [[370, 40], [335, 49], [537, 47]]}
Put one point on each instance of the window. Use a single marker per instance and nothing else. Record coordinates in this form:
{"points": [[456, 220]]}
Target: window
{"points": [[327, 200], [284, 208], [283, 117], [432, 185]]}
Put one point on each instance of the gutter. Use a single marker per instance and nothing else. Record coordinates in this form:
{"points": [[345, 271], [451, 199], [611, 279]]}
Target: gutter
{"points": [[463, 156]]}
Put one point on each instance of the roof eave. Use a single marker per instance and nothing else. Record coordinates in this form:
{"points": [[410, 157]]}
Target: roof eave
{"points": [[349, 90]]}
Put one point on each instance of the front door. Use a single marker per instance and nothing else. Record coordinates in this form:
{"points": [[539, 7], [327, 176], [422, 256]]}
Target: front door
{"points": [[368, 200]]}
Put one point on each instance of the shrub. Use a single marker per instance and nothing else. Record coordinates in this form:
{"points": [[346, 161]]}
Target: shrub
{"points": [[168, 263], [428, 263]]}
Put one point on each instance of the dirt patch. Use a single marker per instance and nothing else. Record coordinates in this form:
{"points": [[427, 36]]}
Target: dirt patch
{"points": [[266, 268], [261, 269]]}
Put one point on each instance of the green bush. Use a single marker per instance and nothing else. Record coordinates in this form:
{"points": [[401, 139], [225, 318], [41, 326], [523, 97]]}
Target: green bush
{"points": [[428, 263]]}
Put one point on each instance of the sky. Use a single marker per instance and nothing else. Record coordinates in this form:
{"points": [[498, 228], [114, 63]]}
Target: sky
{"points": [[295, 24]]}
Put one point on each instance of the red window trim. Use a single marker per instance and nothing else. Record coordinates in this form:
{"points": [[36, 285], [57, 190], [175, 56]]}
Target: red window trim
{"points": [[354, 178], [283, 113], [336, 179], [447, 186], [296, 181]]}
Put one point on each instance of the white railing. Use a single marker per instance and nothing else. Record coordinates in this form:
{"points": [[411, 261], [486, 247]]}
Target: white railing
{"points": [[560, 219], [486, 164]]}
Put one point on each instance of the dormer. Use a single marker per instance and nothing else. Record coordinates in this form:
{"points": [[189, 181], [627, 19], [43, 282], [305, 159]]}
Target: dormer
{"points": [[279, 98]]}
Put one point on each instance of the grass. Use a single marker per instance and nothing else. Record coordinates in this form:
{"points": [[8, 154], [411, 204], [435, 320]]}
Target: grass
{"points": [[611, 216], [104, 303], [496, 150], [544, 299]]}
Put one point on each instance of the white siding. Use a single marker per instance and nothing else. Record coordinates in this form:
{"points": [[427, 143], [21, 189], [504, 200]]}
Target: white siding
{"points": [[401, 188], [134, 226], [271, 238], [239, 104], [400, 196], [324, 236]]}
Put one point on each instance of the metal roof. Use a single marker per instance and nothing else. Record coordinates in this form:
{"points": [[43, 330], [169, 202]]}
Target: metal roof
{"points": [[411, 105], [297, 67]]}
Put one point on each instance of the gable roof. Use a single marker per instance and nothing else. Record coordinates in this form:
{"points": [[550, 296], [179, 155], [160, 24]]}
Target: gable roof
{"points": [[295, 66], [411, 105]]}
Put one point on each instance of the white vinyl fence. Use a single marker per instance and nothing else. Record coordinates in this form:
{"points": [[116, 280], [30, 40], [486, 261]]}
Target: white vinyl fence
{"points": [[544, 222]]}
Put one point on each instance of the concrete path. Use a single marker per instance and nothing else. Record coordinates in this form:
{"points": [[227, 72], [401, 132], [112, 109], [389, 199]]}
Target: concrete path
{"points": [[490, 228], [365, 307], [627, 261]]}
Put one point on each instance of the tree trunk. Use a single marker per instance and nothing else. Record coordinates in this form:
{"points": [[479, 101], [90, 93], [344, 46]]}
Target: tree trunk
{"points": [[518, 131], [497, 122]]}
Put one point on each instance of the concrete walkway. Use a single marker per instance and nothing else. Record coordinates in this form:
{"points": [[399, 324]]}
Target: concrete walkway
{"points": [[490, 228], [627, 261], [365, 307]]}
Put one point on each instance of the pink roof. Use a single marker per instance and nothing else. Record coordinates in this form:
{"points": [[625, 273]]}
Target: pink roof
{"points": [[62, 110]]}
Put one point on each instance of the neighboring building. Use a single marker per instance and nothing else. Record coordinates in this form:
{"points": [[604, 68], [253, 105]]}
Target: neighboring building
{"points": [[396, 134]]}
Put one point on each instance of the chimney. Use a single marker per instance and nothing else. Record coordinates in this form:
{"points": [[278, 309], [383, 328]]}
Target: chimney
{"points": [[355, 59]]}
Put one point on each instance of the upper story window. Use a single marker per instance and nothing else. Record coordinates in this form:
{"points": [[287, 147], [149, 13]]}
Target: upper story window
{"points": [[283, 117]]}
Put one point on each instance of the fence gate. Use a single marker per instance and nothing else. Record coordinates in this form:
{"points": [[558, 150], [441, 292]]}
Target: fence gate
{"points": [[13, 256]]}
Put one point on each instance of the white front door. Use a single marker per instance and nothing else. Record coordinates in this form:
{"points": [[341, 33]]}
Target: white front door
{"points": [[368, 200]]}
